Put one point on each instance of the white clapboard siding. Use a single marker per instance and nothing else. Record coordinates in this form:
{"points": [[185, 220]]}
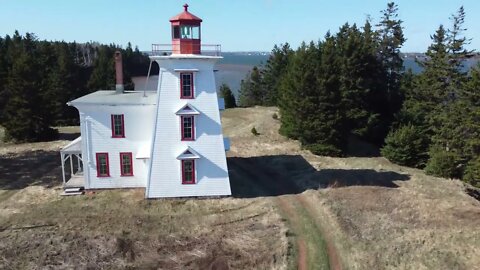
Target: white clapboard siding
{"points": [[97, 138], [211, 168]]}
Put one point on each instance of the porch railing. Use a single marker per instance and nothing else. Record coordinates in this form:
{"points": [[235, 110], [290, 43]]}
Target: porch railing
{"points": [[205, 49]]}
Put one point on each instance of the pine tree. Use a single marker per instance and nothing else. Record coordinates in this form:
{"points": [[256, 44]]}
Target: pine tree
{"points": [[391, 40], [103, 73], [273, 72], [27, 118], [309, 99], [455, 118], [251, 92], [227, 95], [359, 69], [4, 43], [471, 87], [406, 146]]}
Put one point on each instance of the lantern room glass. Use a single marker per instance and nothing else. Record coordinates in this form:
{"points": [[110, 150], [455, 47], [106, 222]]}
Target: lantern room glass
{"points": [[186, 32]]}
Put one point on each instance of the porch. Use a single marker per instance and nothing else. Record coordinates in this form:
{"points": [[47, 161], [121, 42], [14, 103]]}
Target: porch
{"points": [[73, 179]]}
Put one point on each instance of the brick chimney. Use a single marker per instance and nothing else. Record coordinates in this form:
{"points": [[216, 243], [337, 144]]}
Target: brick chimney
{"points": [[118, 73]]}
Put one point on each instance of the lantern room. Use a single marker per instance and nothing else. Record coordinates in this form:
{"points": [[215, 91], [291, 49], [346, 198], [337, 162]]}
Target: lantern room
{"points": [[186, 33]]}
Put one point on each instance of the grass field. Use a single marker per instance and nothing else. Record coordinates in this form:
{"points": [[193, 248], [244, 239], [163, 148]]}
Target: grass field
{"points": [[289, 210]]}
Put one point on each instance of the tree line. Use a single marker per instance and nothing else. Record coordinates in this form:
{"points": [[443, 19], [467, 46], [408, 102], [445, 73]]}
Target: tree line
{"points": [[352, 84], [38, 78]]}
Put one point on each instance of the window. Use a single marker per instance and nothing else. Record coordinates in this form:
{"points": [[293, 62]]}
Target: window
{"points": [[118, 128], [188, 171], [176, 31], [186, 85], [126, 167], [102, 165], [187, 32], [188, 128]]}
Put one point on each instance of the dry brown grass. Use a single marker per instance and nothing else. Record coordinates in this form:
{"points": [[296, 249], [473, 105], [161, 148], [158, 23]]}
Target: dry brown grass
{"points": [[377, 214], [118, 229], [380, 215]]}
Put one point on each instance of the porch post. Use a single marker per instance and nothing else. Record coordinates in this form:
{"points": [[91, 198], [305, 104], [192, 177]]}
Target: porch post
{"points": [[79, 169], [63, 167], [71, 164]]}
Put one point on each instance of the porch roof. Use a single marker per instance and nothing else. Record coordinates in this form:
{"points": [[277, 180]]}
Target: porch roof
{"points": [[74, 147]]}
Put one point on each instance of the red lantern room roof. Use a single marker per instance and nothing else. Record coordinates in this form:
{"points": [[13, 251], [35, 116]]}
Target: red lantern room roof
{"points": [[185, 16]]}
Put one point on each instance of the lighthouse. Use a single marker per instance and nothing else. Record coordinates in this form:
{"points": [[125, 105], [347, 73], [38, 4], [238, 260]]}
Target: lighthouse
{"points": [[168, 140], [188, 150]]}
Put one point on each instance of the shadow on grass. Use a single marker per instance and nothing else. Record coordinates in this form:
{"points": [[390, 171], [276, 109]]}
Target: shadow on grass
{"points": [[68, 136], [284, 174], [30, 168]]}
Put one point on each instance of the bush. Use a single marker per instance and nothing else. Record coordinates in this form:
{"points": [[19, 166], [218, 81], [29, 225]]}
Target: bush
{"points": [[324, 150], [406, 146], [443, 163], [254, 131], [472, 172]]}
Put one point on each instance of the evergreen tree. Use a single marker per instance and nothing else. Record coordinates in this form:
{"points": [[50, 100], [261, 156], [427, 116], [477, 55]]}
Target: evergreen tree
{"points": [[4, 43], [391, 40], [27, 118], [251, 92], [227, 95], [310, 98], [359, 84], [273, 72], [406, 146], [103, 73]]}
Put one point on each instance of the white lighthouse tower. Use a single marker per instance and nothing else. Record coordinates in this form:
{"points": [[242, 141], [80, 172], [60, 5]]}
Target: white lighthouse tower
{"points": [[187, 151], [168, 141]]}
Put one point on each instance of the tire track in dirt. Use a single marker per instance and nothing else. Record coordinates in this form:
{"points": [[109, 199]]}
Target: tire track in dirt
{"points": [[287, 209], [333, 258], [278, 185]]}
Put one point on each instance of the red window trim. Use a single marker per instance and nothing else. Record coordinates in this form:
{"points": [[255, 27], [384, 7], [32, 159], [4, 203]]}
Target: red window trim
{"points": [[121, 164], [193, 127], [98, 165], [192, 94], [113, 126], [193, 173]]}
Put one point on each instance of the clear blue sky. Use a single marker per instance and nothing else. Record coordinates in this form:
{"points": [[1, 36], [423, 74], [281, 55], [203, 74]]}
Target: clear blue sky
{"points": [[239, 25]]}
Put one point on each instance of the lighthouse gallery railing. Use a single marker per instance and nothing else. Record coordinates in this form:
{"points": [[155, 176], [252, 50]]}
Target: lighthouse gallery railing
{"points": [[206, 49]]}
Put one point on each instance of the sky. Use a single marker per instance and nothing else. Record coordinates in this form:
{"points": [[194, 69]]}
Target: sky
{"points": [[238, 25]]}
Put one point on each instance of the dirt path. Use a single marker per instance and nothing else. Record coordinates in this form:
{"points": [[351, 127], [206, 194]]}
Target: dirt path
{"points": [[313, 249]]}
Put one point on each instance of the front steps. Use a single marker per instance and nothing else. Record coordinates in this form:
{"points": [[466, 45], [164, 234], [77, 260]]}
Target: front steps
{"points": [[72, 191]]}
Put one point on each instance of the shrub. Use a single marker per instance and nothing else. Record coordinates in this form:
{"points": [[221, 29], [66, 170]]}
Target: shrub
{"points": [[324, 149], [472, 172], [254, 131], [443, 163], [406, 146]]}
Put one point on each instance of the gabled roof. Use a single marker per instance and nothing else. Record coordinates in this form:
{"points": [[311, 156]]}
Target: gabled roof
{"points": [[187, 109], [74, 147], [189, 153], [110, 97], [185, 16]]}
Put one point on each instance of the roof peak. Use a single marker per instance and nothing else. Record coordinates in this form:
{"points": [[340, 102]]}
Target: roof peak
{"points": [[185, 16]]}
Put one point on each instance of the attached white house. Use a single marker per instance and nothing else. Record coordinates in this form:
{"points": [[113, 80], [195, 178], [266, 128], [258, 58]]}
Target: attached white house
{"points": [[169, 140]]}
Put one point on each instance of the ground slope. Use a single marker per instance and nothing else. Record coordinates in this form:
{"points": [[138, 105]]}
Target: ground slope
{"points": [[377, 215], [289, 209]]}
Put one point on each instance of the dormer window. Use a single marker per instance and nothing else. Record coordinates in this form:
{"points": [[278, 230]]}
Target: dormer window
{"points": [[186, 85], [118, 127], [188, 159]]}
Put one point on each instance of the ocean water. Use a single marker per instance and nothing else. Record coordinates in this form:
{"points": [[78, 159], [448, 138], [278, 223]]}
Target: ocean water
{"points": [[233, 68]]}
